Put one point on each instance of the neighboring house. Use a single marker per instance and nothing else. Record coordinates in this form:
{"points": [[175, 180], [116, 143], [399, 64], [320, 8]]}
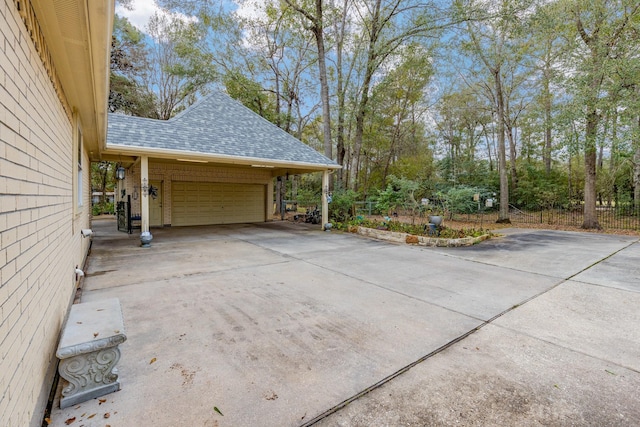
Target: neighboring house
{"points": [[54, 76], [96, 197], [214, 163]]}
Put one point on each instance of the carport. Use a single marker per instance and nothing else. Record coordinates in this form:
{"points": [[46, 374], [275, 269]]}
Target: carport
{"points": [[214, 163]]}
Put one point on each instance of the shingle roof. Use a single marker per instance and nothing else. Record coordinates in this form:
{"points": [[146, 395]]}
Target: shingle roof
{"points": [[216, 125]]}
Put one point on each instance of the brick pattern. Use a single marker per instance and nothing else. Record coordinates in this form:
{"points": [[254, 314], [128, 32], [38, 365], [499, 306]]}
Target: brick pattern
{"points": [[167, 173], [40, 243]]}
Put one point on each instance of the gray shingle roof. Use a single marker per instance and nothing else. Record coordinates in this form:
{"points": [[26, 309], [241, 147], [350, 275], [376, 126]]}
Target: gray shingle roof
{"points": [[216, 125]]}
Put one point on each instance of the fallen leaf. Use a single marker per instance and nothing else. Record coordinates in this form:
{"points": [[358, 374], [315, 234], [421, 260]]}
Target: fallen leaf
{"points": [[609, 372], [79, 323], [107, 415], [152, 360], [101, 401], [117, 331], [215, 408], [95, 334], [70, 420], [47, 420], [91, 416]]}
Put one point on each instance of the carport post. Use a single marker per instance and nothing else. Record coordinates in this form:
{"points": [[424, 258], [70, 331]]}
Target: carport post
{"points": [[145, 236], [325, 195]]}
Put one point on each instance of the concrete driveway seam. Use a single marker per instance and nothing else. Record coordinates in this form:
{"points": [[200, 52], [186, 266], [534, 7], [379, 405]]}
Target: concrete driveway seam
{"points": [[564, 347], [603, 259], [406, 368]]}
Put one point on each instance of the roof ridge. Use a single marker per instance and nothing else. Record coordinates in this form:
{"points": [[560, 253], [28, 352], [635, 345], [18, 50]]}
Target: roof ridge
{"points": [[193, 106]]}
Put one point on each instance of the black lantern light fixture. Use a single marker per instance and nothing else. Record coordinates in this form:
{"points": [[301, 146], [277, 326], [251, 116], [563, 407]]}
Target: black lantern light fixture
{"points": [[120, 173]]}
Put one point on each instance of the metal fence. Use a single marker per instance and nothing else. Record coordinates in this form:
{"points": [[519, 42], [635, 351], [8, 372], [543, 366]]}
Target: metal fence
{"points": [[609, 218]]}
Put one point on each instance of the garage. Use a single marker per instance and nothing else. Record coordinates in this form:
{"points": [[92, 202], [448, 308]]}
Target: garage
{"points": [[214, 163], [208, 203]]}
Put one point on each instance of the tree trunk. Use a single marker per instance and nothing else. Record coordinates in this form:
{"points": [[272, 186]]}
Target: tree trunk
{"points": [[489, 141], [317, 28], [570, 179], [636, 180], [512, 158], [590, 220], [547, 124], [340, 149], [278, 96], [636, 172], [364, 98], [324, 85], [503, 213]]}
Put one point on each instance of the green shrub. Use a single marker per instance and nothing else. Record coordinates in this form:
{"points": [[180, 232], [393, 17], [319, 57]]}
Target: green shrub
{"points": [[342, 205], [420, 229]]}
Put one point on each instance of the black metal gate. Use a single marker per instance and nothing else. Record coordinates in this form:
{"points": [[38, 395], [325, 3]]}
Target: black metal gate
{"points": [[121, 214]]}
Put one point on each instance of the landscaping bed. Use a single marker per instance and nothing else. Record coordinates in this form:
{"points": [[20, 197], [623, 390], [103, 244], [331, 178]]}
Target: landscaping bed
{"points": [[417, 234], [400, 237]]}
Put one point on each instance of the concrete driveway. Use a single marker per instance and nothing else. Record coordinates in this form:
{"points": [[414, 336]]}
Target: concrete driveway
{"points": [[280, 324]]}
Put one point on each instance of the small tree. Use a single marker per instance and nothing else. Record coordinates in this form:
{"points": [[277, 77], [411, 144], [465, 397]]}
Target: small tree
{"points": [[399, 193]]}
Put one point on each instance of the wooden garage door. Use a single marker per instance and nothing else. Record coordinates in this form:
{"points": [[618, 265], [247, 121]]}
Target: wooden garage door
{"points": [[204, 203]]}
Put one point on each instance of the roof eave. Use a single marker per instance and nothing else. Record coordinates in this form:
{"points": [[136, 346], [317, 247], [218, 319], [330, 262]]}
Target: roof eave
{"points": [[188, 156]]}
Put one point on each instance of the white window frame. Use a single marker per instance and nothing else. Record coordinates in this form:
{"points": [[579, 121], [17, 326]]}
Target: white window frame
{"points": [[78, 166]]}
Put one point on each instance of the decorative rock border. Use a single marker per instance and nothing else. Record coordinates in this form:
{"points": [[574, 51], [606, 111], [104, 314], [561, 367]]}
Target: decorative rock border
{"points": [[398, 237]]}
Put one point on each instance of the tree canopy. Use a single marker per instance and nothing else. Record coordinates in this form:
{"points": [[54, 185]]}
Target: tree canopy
{"points": [[534, 100]]}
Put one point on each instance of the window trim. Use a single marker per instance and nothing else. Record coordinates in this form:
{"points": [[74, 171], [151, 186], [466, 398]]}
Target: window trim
{"points": [[78, 168]]}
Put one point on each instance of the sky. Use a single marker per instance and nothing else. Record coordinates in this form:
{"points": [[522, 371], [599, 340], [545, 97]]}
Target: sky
{"points": [[144, 9]]}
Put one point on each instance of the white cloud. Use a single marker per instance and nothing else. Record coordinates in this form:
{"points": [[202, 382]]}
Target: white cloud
{"points": [[143, 10], [140, 14], [252, 9]]}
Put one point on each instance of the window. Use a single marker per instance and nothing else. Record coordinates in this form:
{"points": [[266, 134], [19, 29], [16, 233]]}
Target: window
{"points": [[77, 169]]}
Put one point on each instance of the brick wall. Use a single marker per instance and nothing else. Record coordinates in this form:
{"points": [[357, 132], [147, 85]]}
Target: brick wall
{"points": [[40, 243]]}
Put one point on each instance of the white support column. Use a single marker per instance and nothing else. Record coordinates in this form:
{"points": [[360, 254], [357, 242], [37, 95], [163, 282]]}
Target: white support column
{"points": [[144, 190], [325, 194], [145, 235]]}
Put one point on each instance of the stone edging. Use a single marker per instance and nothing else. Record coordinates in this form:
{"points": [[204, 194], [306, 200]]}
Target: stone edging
{"points": [[397, 237]]}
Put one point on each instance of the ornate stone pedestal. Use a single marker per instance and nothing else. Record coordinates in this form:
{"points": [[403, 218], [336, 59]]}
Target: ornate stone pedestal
{"points": [[88, 351]]}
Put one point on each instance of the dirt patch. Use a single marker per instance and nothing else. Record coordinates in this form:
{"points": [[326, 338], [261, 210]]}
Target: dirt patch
{"points": [[187, 374]]}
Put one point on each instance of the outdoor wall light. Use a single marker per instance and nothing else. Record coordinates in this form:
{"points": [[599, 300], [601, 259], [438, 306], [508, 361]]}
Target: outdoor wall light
{"points": [[120, 173]]}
